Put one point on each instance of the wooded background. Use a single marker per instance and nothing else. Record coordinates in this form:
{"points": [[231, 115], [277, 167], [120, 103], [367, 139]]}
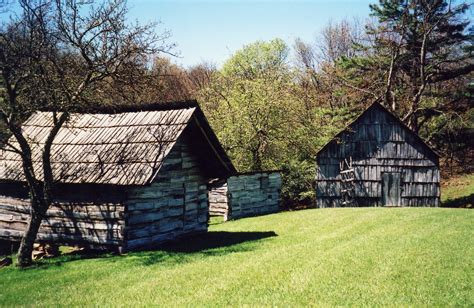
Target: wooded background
{"points": [[273, 105]]}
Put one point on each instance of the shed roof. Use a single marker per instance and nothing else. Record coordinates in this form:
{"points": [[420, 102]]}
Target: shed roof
{"points": [[380, 107], [122, 146]]}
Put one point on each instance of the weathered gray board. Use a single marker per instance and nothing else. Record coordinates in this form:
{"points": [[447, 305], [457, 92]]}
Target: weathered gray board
{"points": [[173, 205], [378, 143], [391, 188], [245, 195], [218, 200], [75, 221]]}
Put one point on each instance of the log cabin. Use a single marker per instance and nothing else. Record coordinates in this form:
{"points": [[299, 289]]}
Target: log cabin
{"points": [[128, 178], [377, 161]]}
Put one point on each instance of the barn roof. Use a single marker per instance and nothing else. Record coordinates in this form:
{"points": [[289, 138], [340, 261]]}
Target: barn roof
{"points": [[121, 146], [380, 107]]}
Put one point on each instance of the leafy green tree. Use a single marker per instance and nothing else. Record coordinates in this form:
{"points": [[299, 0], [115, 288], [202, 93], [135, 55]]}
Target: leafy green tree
{"points": [[248, 104], [266, 118]]}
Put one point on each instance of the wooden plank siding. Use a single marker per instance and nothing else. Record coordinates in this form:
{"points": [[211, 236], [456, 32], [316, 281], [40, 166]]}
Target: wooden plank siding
{"points": [[254, 194], [246, 194], [138, 217], [218, 200], [174, 204], [378, 143], [76, 221]]}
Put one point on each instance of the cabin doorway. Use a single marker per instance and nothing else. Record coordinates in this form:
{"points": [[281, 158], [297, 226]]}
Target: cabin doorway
{"points": [[391, 192]]}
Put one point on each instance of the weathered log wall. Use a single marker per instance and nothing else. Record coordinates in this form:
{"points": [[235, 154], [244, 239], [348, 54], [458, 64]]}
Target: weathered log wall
{"points": [[76, 221], [218, 200], [254, 194], [378, 143], [127, 217], [174, 204]]}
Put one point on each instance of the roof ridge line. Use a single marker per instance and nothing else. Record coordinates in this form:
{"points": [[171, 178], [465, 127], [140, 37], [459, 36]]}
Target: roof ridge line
{"points": [[129, 108]]}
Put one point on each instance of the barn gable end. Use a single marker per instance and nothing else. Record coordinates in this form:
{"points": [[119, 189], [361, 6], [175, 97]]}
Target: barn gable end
{"points": [[175, 203], [362, 165]]}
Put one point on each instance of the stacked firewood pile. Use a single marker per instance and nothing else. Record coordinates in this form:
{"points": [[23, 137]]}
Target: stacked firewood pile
{"points": [[41, 251]]}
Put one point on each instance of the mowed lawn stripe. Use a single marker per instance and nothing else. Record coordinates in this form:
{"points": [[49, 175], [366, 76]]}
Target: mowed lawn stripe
{"points": [[367, 256]]}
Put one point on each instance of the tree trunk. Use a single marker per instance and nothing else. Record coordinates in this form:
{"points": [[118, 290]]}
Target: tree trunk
{"points": [[414, 124], [26, 246]]}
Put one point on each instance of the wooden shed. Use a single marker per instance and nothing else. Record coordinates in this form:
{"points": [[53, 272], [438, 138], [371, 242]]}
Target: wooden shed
{"points": [[377, 161], [129, 178], [245, 194]]}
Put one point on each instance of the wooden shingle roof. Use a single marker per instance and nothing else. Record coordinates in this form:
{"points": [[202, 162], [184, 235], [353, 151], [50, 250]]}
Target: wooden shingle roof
{"points": [[123, 148]]}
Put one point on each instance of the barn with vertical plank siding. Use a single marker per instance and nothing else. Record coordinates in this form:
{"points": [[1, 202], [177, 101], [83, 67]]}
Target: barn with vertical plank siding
{"points": [[129, 178], [377, 161]]}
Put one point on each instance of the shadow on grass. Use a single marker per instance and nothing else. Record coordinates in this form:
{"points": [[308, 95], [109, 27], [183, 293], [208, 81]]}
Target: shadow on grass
{"points": [[461, 202], [204, 245], [180, 251], [85, 254], [212, 240]]}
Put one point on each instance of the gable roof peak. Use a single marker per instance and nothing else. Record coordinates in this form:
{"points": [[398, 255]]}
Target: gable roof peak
{"points": [[377, 104]]}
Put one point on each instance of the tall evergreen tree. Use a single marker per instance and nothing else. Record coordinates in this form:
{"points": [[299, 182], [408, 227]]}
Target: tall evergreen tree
{"points": [[419, 47]]}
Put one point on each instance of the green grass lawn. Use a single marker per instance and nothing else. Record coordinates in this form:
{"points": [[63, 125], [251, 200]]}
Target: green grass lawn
{"points": [[360, 256], [458, 191]]}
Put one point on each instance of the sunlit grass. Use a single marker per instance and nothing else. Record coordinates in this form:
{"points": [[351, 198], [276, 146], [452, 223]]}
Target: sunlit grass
{"points": [[367, 256], [459, 186]]}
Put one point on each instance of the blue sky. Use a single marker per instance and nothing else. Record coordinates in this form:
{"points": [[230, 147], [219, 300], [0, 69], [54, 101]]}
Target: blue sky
{"points": [[212, 30]]}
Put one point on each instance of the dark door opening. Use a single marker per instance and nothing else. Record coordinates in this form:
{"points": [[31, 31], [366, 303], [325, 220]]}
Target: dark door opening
{"points": [[391, 189]]}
